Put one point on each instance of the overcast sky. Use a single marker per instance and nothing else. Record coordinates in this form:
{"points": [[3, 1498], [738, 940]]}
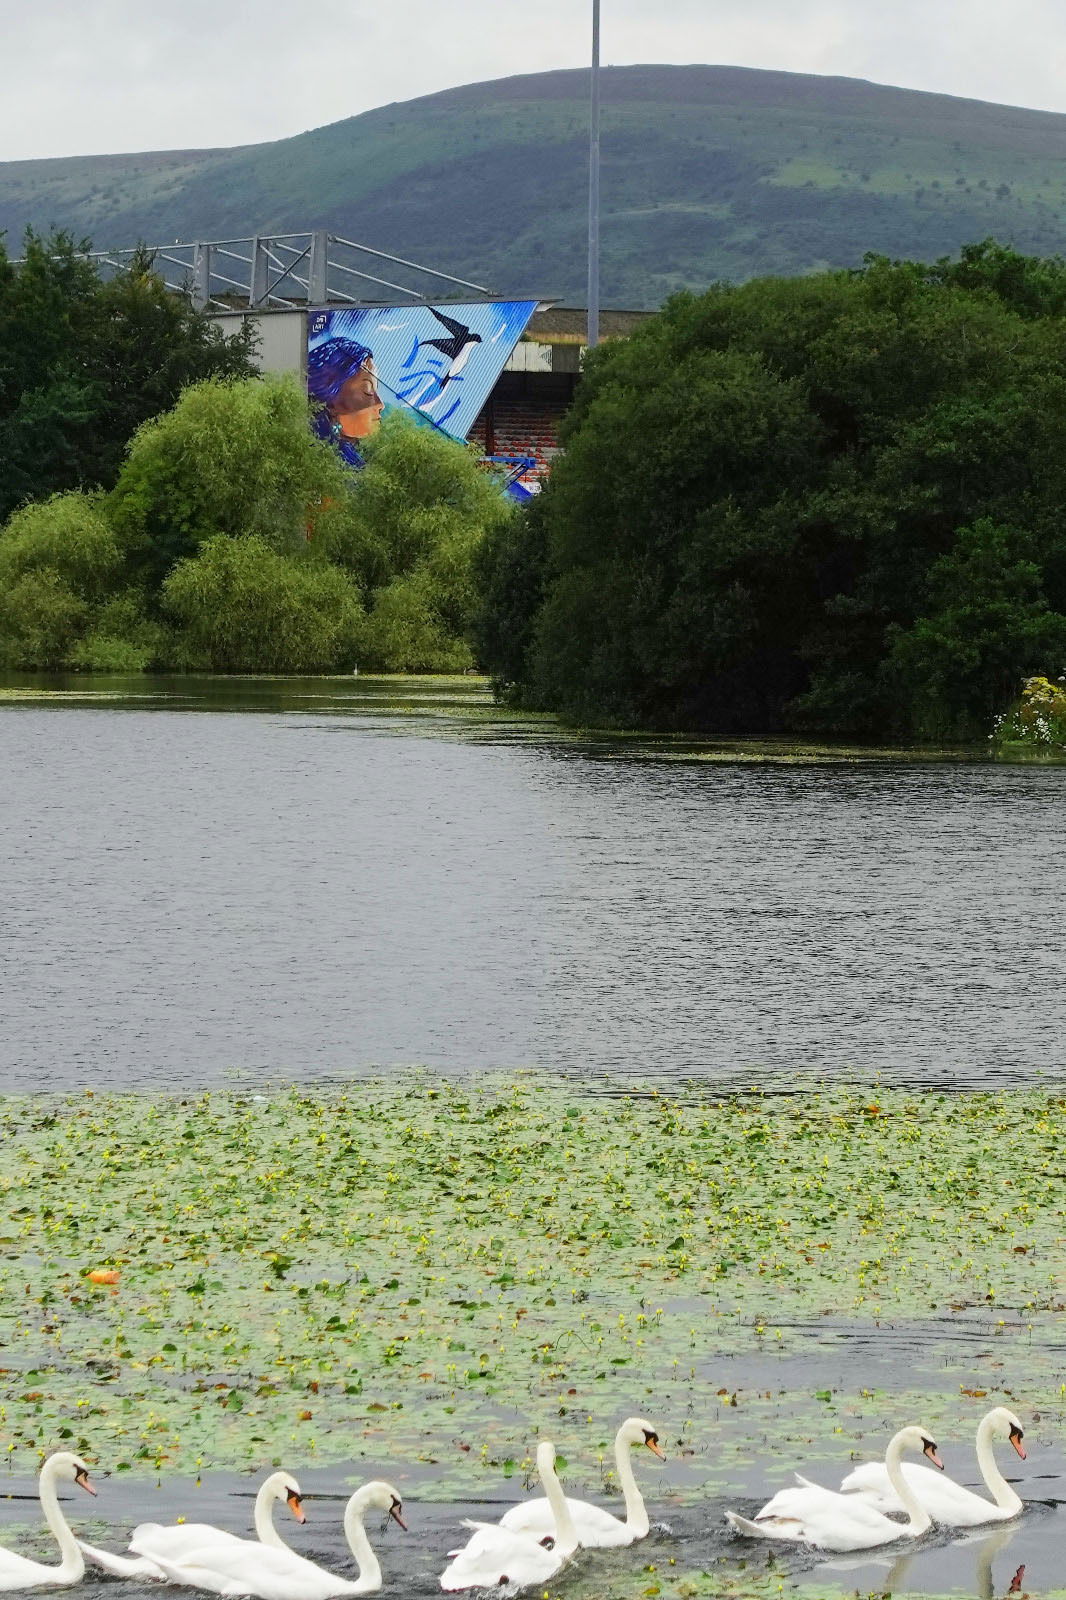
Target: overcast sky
{"points": [[86, 76]]}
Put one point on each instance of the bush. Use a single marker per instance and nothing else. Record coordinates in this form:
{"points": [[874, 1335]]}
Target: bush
{"points": [[122, 638], [419, 488], [68, 535], [244, 607], [405, 632], [409, 534], [1038, 716], [100, 652], [232, 457], [41, 618]]}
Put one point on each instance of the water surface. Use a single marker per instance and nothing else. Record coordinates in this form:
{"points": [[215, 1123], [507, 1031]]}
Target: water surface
{"points": [[327, 877]]}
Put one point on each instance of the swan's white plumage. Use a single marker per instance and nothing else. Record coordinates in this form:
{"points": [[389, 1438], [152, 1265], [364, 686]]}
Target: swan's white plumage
{"points": [[596, 1528], [828, 1520], [181, 1538], [19, 1572], [497, 1556], [246, 1567], [946, 1501]]}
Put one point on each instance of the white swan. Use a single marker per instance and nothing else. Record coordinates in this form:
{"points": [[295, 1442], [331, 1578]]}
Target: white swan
{"points": [[497, 1555], [598, 1529], [829, 1520], [241, 1566], [172, 1541], [946, 1501], [19, 1572]]}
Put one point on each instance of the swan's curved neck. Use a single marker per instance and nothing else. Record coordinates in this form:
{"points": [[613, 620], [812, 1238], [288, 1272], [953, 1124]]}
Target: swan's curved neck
{"points": [[369, 1579], [996, 1483], [265, 1530], [636, 1515], [566, 1540], [918, 1518], [73, 1563]]}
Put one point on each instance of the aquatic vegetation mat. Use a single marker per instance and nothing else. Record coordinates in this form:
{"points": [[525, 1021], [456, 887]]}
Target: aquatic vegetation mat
{"points": [[423, 1276]]}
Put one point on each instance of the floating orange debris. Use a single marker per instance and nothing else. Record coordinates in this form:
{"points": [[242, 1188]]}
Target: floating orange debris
{"points": [[103, 1275]]}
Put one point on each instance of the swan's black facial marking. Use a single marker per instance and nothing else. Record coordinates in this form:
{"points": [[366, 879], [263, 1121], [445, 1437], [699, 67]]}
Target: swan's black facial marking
{"points": [[547, 1543], [1016, 1436], [396, 1513], [81, 1478], [651, 1439], [929, 1449]]}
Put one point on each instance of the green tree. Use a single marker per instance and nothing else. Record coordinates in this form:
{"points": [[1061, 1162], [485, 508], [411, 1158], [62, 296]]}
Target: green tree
{"points": [[775, 508], [84, 362], [60, 568], [243, 606], [987, 625], [409, 533], [510, 572], [68, 534], [41, 620], [234, 457]]}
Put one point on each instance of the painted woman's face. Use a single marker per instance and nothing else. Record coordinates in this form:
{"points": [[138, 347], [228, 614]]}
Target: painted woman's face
{"points": [[358, 405]]}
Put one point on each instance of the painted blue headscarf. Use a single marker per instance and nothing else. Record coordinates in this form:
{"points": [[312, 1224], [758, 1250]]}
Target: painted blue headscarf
{"points": [[329, 366]]}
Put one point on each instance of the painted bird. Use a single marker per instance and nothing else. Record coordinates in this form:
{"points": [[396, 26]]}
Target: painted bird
{"points": [[457, 348]]}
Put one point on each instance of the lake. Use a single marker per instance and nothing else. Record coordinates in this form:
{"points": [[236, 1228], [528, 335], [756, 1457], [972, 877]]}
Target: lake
{"points": [[213, 881], [243, 883]]}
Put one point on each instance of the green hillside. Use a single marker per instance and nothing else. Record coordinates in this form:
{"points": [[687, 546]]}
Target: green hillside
{"points": [[708, 172]]}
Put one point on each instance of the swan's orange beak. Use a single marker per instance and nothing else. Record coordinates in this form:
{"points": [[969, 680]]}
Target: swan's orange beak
{"points": [[1016, 1441], [930, 1451], [82, 1480], [656, 1448], [394, 1513], [294, 1505]]}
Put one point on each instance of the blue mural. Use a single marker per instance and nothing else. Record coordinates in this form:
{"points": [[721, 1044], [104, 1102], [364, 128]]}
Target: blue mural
{"points": [[437, 362]]}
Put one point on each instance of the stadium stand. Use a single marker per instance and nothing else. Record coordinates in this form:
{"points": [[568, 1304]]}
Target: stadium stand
{"points": [[522, 415]]}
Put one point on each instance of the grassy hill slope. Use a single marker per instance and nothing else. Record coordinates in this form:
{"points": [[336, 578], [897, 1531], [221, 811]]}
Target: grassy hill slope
{"points": [[707, 172]]}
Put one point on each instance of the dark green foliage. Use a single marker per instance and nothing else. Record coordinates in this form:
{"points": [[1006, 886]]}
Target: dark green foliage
{"points": [[510, 572], [708, 173], [832, 501], [83, 363]]}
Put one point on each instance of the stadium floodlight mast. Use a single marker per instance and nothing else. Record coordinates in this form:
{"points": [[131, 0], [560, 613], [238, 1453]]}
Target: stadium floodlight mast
{"points": [[594, 185]]}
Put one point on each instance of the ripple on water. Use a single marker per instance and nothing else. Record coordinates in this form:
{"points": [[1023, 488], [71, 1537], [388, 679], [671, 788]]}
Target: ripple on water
{"points": [[325, 878]]}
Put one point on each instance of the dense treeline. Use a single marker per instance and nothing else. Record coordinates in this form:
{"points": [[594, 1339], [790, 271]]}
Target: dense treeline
{"points": [[833, 502], [84, 362], [235, 541], [166, 508]]}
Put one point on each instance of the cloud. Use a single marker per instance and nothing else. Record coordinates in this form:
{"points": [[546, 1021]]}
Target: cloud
{"points": [[119, 76]]}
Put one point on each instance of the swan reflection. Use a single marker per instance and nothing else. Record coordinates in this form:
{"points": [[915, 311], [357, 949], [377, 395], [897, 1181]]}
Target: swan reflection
{"points": [[985, 1547]]}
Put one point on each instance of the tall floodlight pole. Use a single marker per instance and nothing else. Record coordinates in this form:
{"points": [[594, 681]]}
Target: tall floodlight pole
{"points": [[594, 185]]}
